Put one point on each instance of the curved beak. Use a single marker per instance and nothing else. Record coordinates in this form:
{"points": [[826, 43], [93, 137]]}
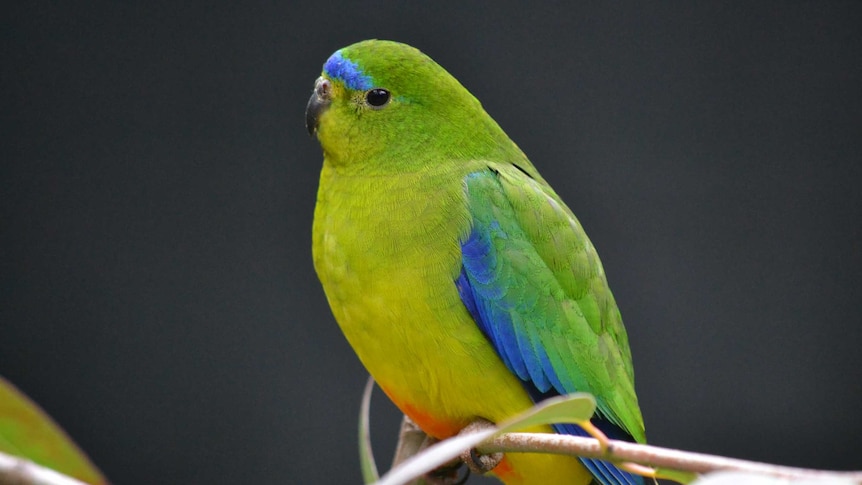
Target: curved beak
{"points": [[317, 104]]}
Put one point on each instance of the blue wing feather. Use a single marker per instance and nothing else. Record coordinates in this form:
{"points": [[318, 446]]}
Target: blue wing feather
{"points": [[488, 287]]}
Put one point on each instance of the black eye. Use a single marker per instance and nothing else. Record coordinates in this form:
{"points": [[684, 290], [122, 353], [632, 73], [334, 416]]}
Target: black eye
{"points": [[377, 97]]}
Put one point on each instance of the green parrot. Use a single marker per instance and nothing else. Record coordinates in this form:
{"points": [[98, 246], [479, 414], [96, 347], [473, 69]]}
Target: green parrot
{"points": [[466, 286]]}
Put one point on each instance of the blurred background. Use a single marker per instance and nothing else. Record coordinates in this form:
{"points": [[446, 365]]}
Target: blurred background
{"points": [[157, 183]]}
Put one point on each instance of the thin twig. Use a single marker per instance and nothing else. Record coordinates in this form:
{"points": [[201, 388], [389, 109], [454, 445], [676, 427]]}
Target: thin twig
{"points": [[650, 455]]}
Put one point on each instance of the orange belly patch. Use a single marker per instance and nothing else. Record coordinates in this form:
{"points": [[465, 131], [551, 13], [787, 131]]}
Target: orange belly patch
{"points": [[442, 429], [505, 472], [430, 423]]}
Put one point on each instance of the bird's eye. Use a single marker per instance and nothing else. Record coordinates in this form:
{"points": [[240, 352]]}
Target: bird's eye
{"points": [[377, 97]]}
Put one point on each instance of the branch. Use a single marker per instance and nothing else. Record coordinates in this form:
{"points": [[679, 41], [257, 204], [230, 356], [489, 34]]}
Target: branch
{"points": [[19, 471], [416, 459], [681, 466], [623, 451]]}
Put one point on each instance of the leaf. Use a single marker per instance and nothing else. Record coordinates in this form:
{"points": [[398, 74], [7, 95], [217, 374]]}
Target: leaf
{"points": [[678, 476], [572, 408], [28, 432], [366, 455]]}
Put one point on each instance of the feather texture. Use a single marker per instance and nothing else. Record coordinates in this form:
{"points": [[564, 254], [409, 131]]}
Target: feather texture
{"points": [[531, 315], [464, 284]]}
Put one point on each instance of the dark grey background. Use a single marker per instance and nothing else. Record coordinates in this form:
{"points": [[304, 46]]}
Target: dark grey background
{"points": [[156, 288]]}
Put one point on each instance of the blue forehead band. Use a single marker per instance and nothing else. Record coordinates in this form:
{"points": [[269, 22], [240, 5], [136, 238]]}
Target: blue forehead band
{"points": [[339, 67]]}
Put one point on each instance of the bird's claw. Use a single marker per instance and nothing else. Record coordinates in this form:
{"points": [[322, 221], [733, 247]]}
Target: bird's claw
{"points": [[479, 463]]}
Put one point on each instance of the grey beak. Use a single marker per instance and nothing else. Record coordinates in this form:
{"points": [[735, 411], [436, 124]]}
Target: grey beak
{"points": [[317, 104]]}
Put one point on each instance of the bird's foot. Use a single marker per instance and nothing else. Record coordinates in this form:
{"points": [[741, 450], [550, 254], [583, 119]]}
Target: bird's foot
{"points": [[477, 462]]}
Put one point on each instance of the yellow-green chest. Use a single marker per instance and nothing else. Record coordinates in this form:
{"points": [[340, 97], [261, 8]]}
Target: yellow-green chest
{"points": [[387, 237], [387, 251]]}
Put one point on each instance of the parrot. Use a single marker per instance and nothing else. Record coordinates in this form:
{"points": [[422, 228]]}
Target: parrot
{"points": [[462, 281]]}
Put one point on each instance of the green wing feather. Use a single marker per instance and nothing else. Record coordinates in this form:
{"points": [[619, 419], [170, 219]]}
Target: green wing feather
{"points": [[535, 285]]}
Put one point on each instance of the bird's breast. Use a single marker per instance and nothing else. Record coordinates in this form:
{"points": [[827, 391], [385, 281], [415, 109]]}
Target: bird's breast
{"points": [[374, 230], [387, 251]]}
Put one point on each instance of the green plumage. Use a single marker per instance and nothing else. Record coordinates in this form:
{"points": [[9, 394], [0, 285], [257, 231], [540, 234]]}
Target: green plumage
{"points": [[458, 275], [557, 289]]}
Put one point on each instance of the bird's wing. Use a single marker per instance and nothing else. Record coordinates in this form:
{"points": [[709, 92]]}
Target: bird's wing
{"points": [[534, 284]]}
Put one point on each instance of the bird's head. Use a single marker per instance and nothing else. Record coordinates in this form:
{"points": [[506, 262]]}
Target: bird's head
{"points": [[381, 97]]}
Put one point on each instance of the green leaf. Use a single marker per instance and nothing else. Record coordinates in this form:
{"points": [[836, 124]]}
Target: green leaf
{"points": [[572, 408], [28, 432], [676, 475], [366, 455]]}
